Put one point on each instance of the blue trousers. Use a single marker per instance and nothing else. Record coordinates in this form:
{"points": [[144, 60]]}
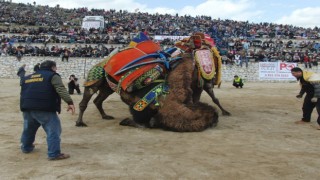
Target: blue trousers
{"points": [[50, 122]]}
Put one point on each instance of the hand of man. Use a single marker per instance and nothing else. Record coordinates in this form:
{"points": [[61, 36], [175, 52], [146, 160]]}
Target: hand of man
{"points": [[314, 99], [72, 108], [299, 96]]}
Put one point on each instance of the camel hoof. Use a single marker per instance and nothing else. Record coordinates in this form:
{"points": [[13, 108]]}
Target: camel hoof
{"points": [[81, 124], [130, 122], [127, 122], [153, 123], [107, 117], [214, 124], [226, 113]]}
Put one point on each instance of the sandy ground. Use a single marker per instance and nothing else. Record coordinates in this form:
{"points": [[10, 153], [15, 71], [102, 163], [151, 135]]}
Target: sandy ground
{"points": [[259, 141]]}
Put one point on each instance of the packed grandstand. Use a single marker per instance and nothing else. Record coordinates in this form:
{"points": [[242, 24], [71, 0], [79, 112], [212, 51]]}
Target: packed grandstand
{"points": [[35, 30]]}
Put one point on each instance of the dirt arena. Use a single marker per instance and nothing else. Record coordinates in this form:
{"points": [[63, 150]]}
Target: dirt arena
{"points": [[259, 141]]}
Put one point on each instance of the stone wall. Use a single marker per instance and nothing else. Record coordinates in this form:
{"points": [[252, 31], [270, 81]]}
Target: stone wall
{"points": [[80, 67], [77, 66]]}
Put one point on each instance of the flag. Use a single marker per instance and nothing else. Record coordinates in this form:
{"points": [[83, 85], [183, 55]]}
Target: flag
{"points": [[139, 38]]}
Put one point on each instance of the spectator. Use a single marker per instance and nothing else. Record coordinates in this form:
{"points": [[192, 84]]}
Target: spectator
{"points": [[46, 25], [296, 57], [19, 54], [307, 62], [237, 59], [65, 54]]}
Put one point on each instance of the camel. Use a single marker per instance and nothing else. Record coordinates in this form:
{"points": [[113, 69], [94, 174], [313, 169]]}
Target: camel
{"points": [[204, 81], [96, 82], [162, 99]]}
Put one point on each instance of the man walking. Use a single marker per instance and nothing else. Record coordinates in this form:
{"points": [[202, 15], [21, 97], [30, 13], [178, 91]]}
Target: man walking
{"points": [[40, 101]]}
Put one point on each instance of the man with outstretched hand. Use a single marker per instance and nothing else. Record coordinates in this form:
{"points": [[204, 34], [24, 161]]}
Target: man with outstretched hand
{"points": [[40, 100]]}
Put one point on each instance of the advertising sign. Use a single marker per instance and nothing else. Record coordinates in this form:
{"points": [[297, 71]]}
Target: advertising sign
{"points": [[276, 70]]}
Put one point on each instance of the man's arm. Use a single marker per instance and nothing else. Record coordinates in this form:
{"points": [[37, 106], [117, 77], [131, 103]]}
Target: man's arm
{"points": [[62, 91], [302, 91]]}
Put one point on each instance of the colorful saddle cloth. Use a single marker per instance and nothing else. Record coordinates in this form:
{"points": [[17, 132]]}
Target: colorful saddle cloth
{"points": [[120, 60], [95, 74], [136, 67], [205, 63], [97, 71]]}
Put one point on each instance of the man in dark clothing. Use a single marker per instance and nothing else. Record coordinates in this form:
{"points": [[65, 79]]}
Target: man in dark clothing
{"points": [[310, 83], [21, 72], [40, 100], [308, 105], [66, 54], [73, 85], [36, 67]]}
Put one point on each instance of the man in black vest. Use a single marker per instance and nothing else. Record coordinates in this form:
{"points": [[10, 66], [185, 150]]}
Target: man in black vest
{"points": [[40, 101]]}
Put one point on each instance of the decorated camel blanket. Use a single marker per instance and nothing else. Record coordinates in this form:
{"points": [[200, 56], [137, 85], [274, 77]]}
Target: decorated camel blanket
{"points": [[209, 64], [205, 63]]}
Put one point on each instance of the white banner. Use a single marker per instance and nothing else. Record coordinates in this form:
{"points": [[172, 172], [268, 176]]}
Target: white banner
{"points": [[91, 24], [276, 70], [161, 38]]}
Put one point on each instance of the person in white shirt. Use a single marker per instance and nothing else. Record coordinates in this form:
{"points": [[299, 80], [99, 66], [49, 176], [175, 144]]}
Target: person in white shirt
{"points": [[237, 59]]}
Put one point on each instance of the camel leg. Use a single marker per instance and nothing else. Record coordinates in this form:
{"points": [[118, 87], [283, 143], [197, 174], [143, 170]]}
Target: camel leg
{"points": [[87, 94], [141, 118], [104, 93], [208, 87], [219, 85], [196, 95], [130, 122]]}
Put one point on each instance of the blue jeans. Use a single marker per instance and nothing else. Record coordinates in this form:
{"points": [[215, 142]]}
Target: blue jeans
{"points": [[50, 122]]}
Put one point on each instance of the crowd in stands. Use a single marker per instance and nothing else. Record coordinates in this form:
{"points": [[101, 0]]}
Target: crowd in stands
{"points": [[21, 25], [78, 50]]}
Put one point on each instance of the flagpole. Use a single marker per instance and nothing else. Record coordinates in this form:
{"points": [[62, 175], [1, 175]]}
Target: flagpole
{"points": [[84, 68]]}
